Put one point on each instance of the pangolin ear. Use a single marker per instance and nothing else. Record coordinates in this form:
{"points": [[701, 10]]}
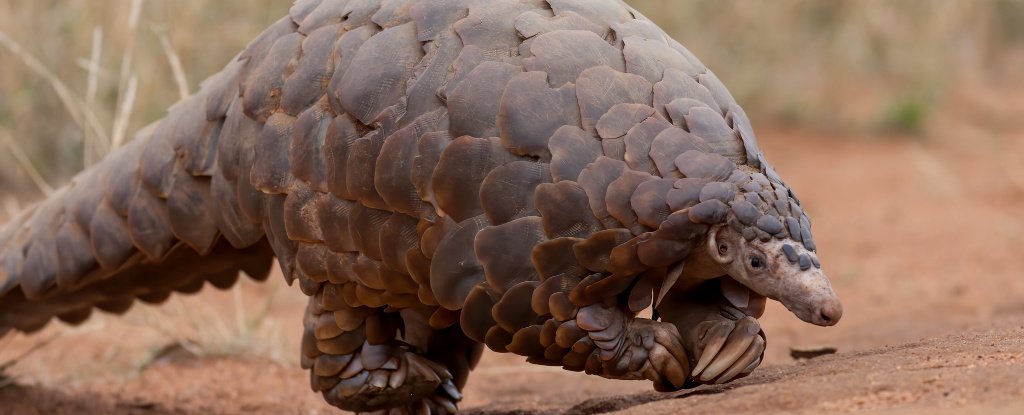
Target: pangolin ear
{"points": [[722, 251]]}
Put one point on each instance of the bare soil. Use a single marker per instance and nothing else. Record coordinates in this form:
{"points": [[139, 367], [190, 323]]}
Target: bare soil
{"points": [[922, 237]]}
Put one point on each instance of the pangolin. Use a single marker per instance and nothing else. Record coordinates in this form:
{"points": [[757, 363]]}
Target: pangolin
{"points": [[437, 176]]}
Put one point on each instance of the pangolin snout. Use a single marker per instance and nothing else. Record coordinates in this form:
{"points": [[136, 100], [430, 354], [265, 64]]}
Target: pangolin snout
{"points": [[809, 295], [828, 314]]}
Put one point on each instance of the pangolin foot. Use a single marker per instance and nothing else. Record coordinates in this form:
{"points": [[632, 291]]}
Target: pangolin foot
{"points": [[388, 379], [666, 363], [634, 348], [728, 349], [444, 401]]}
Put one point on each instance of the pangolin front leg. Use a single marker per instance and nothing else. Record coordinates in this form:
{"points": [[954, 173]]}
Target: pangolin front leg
{"points": [[719, 327], [627, 347], [604, 338]]}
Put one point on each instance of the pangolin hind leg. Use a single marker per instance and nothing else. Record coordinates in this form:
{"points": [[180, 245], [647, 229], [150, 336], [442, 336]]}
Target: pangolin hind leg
{"points": [[371, 360], [719, 327]]}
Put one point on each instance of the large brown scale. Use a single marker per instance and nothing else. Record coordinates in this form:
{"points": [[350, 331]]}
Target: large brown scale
{"points": [[437, 175]]}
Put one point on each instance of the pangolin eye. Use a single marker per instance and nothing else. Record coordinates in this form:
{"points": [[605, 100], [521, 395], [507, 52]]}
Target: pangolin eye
{"points": [[723, 249], [756, 262]]}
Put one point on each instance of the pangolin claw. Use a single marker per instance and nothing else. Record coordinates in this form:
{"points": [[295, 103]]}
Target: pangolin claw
{"points": [[746, 362], [728, 349], [667, 356], [428, 385]]}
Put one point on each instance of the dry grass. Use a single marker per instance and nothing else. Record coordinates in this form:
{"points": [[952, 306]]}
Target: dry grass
{"points": [[251, 322], [80, 76], [860, 65], [92, 72], [202, 327]]}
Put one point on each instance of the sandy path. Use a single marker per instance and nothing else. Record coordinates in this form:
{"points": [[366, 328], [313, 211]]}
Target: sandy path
{"points": [[977, 372]]}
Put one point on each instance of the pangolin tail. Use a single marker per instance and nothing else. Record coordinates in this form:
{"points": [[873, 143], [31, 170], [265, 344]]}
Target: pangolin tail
{"points": [[158, 215]]}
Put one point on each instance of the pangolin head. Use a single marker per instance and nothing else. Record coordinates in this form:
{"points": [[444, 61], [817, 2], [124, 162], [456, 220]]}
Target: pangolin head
{"points": [[765, 244], [780, 269], [746, 224]]}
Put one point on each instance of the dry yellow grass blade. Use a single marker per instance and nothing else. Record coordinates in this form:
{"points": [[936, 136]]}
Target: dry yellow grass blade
{"points": [[80, 112], [92, 84], [172, 58], [11, 208], [127, 81], [25, 163], [124, 112]]}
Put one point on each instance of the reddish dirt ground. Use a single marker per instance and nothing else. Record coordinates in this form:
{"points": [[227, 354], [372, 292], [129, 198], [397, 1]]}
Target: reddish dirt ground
{"points": [[922, 238]]}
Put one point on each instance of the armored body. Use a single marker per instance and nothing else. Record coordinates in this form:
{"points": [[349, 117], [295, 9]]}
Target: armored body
{"points": [[437, 176]]}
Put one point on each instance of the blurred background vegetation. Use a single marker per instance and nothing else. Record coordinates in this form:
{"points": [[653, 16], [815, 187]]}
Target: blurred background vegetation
{"points": [[860, 68]]}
